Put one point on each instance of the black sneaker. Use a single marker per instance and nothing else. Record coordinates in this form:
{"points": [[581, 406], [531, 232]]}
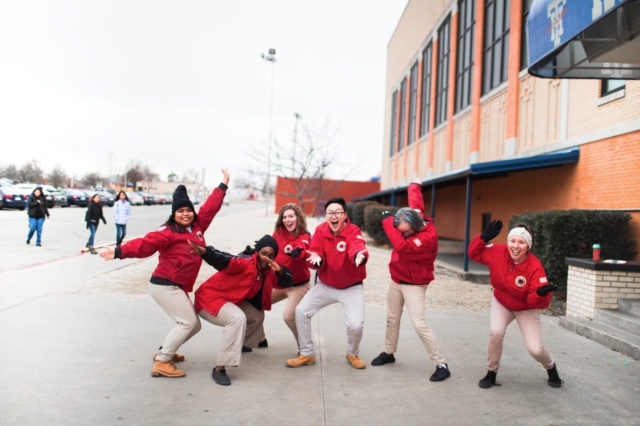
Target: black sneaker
{"points": [[488, 380], [220, 377], [383, 358], [554, 379], [263, 344], [246, 349], [442, 372]]}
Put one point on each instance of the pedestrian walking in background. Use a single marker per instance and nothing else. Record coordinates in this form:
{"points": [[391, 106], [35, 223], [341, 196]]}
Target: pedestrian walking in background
{"points": [[293, 241], [339, 253], [237, 296], [93, 217], [177, 270], [37, 212], [520, 289], [415, 247], [121, 212]]}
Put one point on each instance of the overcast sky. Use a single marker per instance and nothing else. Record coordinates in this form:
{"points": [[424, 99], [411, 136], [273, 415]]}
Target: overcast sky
{"points": [[180, 85]]}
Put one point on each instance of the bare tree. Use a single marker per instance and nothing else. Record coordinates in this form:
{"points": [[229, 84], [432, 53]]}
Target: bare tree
{"points": [[57, 177], [9, 172], [30, 172], [92, 180], [306, 163], [135, 174]]}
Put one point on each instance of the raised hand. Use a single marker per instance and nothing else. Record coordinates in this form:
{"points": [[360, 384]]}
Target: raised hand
{"points": [[491, 231]]}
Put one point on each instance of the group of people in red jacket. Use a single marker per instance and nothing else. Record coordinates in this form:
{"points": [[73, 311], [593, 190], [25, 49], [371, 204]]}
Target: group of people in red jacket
{"points": [[278, 267]]}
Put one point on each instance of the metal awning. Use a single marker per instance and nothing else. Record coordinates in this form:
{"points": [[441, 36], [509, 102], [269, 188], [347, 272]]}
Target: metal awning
{"points": [[584, 39]]}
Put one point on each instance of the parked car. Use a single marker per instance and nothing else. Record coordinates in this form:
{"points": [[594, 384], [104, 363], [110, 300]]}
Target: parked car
{"points": [[75, 197], [134, 198], [163, 198], [106, 198], [13, 198], [148, 198], [59, 196]]}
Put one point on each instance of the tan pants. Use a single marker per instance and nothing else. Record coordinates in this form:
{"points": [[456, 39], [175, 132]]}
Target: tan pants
{"points": [[240, 322], [178, 305], [293, 295], [529, 324], [413, 297]]}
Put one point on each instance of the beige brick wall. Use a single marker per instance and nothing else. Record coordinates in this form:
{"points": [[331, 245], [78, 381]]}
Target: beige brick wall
{"points": [[588, 290]]}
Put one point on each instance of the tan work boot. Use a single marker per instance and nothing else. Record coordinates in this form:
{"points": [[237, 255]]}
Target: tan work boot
{"points": [[355, 361], [176, 357], [300, 361], [166, 369]]}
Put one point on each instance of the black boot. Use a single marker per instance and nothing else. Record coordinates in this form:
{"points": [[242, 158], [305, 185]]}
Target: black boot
{"points": [[554, 379], [488, 380]]}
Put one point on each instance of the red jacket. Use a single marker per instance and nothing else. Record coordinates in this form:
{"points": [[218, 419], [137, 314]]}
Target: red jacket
{"points": [[412, 258], [514, 286], [239, 278], [298, 265], [338, 268], [176, 263]]}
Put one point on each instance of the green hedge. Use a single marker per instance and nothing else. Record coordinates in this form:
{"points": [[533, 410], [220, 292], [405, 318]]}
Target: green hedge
{"points": [[572, 233], [356, 212], [373, 222]]}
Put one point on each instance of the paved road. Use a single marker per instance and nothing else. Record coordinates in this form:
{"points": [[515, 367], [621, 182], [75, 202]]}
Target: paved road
{"points": [[78, 339]]}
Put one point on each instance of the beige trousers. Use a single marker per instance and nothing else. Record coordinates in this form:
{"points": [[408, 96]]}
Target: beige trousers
{"points": [[413, 297], [293, 295], [175, 302], [529, 324]]}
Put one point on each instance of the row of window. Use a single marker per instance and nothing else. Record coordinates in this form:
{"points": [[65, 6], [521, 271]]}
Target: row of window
{"points": [[495, 60]]}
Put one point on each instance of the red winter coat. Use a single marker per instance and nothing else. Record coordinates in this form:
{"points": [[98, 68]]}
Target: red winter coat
{"points": [[338, 268], [298, 265], [514, 286], [412, 258], [239, 278], [176, 264]]}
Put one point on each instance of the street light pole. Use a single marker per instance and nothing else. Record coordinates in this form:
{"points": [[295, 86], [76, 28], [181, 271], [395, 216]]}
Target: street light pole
{"points": [[269, 57]]}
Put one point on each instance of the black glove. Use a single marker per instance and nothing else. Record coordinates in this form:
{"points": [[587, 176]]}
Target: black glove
{"points": [[546, 289], [248, 251], [491, 231], [386, 214], [295, 252]]}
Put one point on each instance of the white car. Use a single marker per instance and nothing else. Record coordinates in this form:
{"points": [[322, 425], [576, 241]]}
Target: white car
{"points": [[134, 198]]}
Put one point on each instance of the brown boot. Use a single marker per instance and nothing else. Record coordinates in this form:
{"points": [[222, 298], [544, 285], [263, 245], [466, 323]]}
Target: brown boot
{"points": [[176, 357], [166, 369]]}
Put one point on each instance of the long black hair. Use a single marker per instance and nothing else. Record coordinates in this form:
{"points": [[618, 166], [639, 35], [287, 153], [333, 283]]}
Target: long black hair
{"points": [[176, 227]]}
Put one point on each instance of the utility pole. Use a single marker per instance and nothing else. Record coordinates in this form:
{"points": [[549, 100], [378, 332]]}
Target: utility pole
{"points": [[295, 142], [269, 57]]}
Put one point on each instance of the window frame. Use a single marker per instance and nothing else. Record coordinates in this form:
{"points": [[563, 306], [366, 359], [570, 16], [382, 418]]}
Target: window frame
{"points": [[464, 72], [442, 74], [427, 79], [495, 47]]}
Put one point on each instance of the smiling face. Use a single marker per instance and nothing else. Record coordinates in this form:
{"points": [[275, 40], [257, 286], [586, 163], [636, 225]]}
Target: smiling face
{"points": [[184, 216], [289, 220], [336, 217], [518, 248]]}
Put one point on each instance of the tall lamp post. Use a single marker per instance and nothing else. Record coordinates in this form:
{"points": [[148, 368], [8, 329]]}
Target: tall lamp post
{"points": [[269, 57]]}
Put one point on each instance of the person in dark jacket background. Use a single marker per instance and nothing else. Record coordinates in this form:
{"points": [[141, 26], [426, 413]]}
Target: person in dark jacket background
{"points": [[37, 211], [415, 246], [93, 217]]}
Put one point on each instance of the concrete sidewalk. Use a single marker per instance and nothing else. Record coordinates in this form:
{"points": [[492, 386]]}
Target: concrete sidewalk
{"points": [[81, 355]]}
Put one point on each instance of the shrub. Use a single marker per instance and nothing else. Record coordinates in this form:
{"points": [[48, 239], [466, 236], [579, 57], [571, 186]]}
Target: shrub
{"points": [[356, 212], [373, 222], [572, 233]]}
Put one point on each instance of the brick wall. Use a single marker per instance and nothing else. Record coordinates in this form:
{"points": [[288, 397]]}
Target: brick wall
{"points": [[588, 290]]}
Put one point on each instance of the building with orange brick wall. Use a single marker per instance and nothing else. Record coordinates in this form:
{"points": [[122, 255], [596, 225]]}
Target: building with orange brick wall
{"points": [[487, 139], [311, 194]]}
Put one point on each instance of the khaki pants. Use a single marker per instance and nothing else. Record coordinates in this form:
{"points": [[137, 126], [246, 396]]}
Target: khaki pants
{"points": [[529, 324], [241, 322], [293, 295], [178, 305], [413, 297]]}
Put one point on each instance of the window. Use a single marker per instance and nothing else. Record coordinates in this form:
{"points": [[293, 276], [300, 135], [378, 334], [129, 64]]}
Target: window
{"points": [[403, 113], [466, 25], [425, 101], [610, 86], [413, 102], [442, 76], [495, 55], [524, 40], [394, 124]]}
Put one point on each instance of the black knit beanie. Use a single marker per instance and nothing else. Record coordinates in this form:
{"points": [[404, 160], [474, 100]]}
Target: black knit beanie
{"points": [[181, 199], [267, 241]]}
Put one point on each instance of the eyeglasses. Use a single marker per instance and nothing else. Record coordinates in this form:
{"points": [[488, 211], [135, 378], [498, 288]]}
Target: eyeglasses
{"points": [[336, 213]]}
